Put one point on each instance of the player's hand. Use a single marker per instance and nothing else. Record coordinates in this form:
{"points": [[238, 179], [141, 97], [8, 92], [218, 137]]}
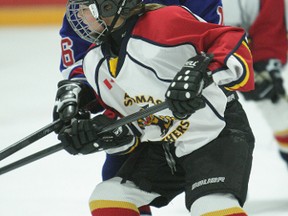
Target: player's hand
{"points": [[74, 99], [184, 95], [69, 97], [83, 136], [268, 81]]}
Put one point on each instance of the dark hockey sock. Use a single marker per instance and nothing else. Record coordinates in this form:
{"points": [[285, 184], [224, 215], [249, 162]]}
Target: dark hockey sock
{"points": [[282, 139], [284, 156], [145, 211]]}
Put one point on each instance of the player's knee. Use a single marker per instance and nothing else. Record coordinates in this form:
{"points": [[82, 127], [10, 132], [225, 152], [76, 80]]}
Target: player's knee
{"points": [[107, 190], [217, 204], [107, 199]]}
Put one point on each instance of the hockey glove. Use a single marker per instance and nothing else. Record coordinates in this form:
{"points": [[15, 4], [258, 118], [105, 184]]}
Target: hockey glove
{"points": [[74, 98], [70, 96], [184, 93], [268, 81], [83, 136]]}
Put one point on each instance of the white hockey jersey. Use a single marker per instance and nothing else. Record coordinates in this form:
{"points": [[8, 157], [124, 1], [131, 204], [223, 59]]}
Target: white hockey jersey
{"points": [[154, 49]]}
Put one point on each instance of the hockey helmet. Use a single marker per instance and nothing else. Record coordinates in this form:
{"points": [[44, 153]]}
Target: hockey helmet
{"points": [[99, 9]]}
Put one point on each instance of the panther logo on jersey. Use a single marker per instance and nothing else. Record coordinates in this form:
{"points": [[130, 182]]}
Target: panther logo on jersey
{"points": [[163, 122]]}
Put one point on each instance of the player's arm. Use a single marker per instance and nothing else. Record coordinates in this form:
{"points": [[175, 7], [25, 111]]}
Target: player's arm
{"points": [[73, 49], [268, 32], [268, 52], [74, 94], [209, 10], [232, 66], [264, 22]]}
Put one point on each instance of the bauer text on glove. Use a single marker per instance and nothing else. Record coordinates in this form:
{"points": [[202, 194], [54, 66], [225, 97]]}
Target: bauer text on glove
{"points": [[184, 95]]}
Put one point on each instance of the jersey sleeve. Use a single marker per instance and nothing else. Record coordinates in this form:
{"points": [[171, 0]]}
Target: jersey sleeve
{"points": [[73, 49], [210, 10], [232, 65], [268, 32]]}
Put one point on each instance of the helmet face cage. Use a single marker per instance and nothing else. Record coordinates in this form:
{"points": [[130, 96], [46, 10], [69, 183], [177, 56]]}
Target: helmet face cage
{"points": [[98, 8], [80, 25]]}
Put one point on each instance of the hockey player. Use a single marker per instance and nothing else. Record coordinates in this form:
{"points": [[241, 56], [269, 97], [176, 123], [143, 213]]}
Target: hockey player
{"points": [[74, 48], [265, 23], [202, 144]]}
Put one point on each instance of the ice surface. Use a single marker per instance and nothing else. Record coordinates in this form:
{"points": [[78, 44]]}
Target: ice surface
{"points": [[60, 184]]}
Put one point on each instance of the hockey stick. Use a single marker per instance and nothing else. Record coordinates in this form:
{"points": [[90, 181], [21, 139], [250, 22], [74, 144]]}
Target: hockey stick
{"points": [[30, 139], [31, 158], [53, 149], [135, 116]]}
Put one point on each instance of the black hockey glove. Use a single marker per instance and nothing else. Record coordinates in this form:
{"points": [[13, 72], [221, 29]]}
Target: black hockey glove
{"points": [[268, 81], [74, 98], [83, 136], [184, 93], [69, 97]]}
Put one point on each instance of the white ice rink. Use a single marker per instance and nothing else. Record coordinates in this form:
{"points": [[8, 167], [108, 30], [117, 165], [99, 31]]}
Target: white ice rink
{"points": [[60, 184]]}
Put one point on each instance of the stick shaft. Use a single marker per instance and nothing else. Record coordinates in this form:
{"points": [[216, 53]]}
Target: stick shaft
{"points": [[29, 139], [31, 158], [135, 116]]}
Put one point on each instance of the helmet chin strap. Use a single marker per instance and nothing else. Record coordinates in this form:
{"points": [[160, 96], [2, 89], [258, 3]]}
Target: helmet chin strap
{"points": [[115, 19]]}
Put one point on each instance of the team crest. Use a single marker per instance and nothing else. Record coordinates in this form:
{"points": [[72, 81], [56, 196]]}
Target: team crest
{"points": [[163, 122]]}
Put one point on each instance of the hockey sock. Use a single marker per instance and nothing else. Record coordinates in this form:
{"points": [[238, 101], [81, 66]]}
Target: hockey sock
{"points": [[237, 211], [282, 139], [217, 205], [112, 208], [276, 115], [145, 211]]}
